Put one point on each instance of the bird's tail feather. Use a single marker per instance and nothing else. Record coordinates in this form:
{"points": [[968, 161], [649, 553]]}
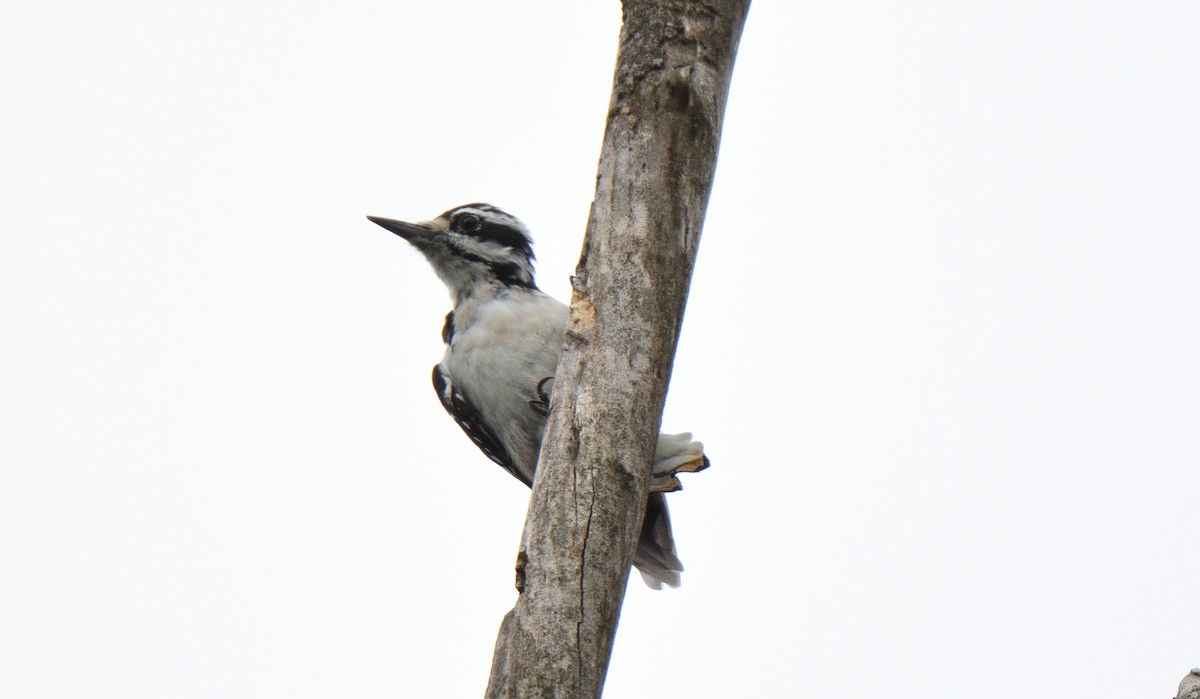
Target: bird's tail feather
{"points": [[655, 558]]}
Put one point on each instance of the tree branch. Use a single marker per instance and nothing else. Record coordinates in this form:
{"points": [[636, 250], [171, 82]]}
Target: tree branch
{"points": [[629, 291], [1189, 687]]}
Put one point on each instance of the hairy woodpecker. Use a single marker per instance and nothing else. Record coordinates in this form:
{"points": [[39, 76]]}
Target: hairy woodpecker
{"points": [[503, 338]]}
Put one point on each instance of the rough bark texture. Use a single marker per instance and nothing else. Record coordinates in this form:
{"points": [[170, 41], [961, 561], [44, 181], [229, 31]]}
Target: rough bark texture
{"points": [[629, 290], [1189, 688]]}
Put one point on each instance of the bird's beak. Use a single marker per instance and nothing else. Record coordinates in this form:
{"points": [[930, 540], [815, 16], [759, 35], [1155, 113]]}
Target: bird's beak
{"points": [[412, 232]]}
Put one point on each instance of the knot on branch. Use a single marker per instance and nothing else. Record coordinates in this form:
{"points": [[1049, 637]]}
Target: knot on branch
{"points": [[519, 582], [675, 92]]}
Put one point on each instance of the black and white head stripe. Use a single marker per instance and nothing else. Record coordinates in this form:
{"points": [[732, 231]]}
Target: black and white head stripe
{"points": [[487, 235], [485, 222], [472, 247]]}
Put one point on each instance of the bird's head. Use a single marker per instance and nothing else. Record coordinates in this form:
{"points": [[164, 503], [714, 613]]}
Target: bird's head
{"points": [[472, 246]]}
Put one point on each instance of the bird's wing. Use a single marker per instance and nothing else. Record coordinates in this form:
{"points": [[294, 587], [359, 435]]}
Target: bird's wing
{"points": [[468, 418]]}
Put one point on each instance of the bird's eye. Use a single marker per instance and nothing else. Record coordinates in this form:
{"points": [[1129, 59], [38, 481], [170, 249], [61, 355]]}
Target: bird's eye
{"points": [[468, 223]]}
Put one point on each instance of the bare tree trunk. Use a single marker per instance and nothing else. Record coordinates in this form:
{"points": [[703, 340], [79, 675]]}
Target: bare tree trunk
{"points": [[629, 290]]}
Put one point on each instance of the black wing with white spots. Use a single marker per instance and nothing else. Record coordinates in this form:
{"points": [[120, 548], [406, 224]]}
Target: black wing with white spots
{"points": [[471, 422]]}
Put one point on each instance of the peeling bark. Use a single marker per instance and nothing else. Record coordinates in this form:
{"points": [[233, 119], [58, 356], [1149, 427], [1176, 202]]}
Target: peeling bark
{"points": [[628, 295]]}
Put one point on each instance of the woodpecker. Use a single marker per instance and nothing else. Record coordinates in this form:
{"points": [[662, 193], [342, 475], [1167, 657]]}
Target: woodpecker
{"points": [[503, 338]]}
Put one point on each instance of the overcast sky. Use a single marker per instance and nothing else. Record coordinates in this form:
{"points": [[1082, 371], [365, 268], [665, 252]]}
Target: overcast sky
{"points": [[942, 347]]}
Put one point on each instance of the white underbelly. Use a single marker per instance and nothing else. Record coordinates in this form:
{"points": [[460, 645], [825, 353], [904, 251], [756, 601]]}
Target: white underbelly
{"points": [[498, 361]]}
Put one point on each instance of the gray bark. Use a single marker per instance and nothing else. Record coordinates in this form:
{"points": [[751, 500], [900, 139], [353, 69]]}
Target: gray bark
{"points": [[1189, 688], [629, 290]]}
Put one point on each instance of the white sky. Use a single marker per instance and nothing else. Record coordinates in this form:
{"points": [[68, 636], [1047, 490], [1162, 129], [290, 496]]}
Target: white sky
{"points": [[941, 345]]}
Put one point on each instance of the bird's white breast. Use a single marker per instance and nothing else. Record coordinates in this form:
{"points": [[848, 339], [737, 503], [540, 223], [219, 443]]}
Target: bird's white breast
{"points": [[502, 347]]}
